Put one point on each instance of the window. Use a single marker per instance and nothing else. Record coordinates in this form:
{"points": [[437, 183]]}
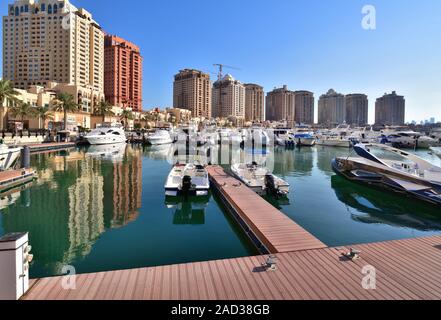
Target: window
{"points": [[26, 8], [49, 9], [55, 8], [43, 7], [17, 11]]}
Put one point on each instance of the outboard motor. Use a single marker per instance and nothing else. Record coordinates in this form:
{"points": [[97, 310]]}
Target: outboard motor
{"points": [[271, 184], [186, 184]]}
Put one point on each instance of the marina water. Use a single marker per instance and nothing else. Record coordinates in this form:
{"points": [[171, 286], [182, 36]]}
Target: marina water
{"points": [[100, 211]]}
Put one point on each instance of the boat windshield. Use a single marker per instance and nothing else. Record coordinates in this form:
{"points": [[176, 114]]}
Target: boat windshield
{"points": [[387, 155]]}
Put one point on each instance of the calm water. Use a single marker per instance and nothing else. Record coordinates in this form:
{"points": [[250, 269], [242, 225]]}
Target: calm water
{"points": [[109, 213]]}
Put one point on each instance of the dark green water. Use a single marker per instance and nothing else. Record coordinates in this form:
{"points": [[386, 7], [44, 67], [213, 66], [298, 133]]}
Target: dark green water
{"points": [[100, 214]]}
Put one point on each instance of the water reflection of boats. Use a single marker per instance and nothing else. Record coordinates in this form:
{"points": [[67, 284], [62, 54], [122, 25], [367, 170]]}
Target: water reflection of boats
{"points": [[375, 207], [109, 152], [158, 152], [188, 211], [11, 196]]}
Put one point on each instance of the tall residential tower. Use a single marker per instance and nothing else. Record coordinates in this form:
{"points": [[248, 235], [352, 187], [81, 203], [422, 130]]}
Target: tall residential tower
{"points": [[52, 41], [192, 91], [228, 98], [331, 108], [254, 103], [280, 105], [357, 106], [122, 73], [390, 110]]}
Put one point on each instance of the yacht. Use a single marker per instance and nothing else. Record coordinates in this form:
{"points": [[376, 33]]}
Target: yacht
{"points": [[333, 140], [260, 179], [436, 150], [106, 134], [159, 137], [304, 139], [8, 156], [394, 169], [283, 137], [187, 180]]}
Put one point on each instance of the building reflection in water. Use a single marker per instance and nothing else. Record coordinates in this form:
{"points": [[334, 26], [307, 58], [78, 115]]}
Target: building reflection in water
{"points": [[188, 211], [74, 200], [372, 206]]}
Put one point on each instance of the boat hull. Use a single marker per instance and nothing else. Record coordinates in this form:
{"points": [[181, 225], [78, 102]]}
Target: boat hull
{"points": [[102, 140], [335, 143], [8, 158]]}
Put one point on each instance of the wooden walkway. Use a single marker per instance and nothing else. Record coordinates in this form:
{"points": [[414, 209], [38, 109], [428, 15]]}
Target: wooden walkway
{"points": [[54, 146], [13, 178], [268, 226], [405, 270]]}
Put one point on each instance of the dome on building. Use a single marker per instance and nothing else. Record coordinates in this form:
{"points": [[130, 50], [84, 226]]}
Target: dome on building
{"points": [[228, 77]]}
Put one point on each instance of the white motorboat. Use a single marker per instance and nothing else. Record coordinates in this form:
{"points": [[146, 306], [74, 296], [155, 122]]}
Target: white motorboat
{"points": [[106, 134], [8, 156], [304, 139], [159, 137], [334, 141], [436, 150], [260, 179], [187, 180], [394, 169], [426, 142]]}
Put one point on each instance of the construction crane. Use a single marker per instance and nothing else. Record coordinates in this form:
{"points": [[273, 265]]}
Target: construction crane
{"points": [[221, 69]]}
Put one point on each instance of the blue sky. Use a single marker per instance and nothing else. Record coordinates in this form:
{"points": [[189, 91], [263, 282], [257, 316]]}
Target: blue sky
{"points": [[309, 44]]}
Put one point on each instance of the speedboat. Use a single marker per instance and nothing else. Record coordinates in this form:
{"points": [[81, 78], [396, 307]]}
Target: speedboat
{"points": [[187, 180], [436, 150], [393, 169], [106, 134], [304, 139], [8, 156], [159, 137], [260, 179]]}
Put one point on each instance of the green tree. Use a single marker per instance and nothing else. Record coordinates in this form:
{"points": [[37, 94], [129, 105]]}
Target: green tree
{"points": [[7, 94], [103, 109], [43, 113], [126, 115], [65, 103], [21, 110]]}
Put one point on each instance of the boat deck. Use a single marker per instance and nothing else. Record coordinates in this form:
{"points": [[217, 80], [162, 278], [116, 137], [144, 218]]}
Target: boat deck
{"points": [[405, 270], [270, 227]]}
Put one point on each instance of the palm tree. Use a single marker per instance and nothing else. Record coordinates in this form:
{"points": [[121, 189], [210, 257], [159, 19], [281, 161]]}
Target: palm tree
{"points": [[126, 115], [43, 114], [65, 103], [103, 109], [21, 110], [7, 93]]}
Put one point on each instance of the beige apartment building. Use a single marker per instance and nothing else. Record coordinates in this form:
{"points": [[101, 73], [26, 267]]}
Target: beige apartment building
{"points": [[52, 41], [304, 107], [331, 108], [390, 110], [357, 109], [229, 98], [280, 105], [192, 91], [254, 103]]}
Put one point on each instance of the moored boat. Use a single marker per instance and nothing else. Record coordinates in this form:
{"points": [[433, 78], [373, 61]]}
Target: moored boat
{"points": [[260, 179], [393, 169], [187, 180], [8, 156], [160, 137], [106, 134]]}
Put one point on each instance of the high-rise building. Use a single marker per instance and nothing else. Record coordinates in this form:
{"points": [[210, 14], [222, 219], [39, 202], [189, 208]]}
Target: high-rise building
{"points": [[280, 105], [357, 109], [192, 91], [331, 108], [304, 107], [228, 98], [254, 103], [52, 41], [390, 110], [122, 73]]}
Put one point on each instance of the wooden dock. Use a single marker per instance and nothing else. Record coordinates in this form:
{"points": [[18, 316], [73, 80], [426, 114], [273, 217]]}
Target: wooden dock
{"points": [[405, 270], [49, 147], [13, 178], [271, 230]]}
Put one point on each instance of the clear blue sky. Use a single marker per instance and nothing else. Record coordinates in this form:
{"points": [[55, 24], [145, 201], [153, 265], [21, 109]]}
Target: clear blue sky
{"points": [[309, 44]]}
